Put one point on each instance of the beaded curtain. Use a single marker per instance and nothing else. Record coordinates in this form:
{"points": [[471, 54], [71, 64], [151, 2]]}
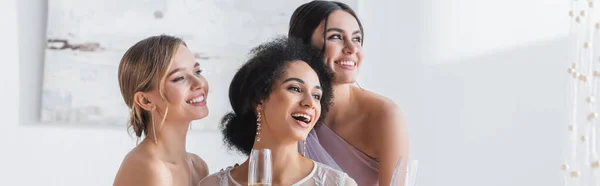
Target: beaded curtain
{"points": [[581, 163]]}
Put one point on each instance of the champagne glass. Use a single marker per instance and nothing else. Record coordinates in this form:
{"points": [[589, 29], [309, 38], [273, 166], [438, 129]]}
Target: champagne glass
{"points": [[260, 166], [405, 173]]}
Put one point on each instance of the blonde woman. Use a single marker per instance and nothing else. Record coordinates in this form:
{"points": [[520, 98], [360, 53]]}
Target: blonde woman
{"points": [[163, 86]]}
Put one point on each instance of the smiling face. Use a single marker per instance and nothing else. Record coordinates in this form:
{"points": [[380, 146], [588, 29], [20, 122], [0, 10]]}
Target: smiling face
{"points": [[293, 107], [185, 89], [342, 41]]}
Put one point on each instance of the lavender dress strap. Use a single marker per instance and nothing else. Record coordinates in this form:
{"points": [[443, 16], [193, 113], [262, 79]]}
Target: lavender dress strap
{"points": [[325, 146], [316, 152]]}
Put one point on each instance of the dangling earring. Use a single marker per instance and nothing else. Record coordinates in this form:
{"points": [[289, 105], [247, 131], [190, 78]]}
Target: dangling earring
{"points": [[153, 128], [258, 126], [304, 151]]}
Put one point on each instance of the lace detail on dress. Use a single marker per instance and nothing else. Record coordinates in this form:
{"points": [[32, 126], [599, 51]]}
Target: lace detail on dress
{"points": [[321, 176], [222, 176], [340, 179]]}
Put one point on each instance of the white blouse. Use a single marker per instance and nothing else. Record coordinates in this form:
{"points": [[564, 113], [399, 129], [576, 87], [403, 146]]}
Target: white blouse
{"points": [[320, 175]]}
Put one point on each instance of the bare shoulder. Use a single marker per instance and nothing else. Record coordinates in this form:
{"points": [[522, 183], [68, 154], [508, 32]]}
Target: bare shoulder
{"points": [[389, 125], [386, 120], [199, 164], [381, 109], [140, 168]]}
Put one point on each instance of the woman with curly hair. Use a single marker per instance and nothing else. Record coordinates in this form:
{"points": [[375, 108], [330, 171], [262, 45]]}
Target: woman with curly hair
{"points": [[277, 98]]}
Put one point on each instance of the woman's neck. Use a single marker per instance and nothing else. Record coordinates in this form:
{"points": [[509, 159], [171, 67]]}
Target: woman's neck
{"points": [[170, 140], [343, 105]]}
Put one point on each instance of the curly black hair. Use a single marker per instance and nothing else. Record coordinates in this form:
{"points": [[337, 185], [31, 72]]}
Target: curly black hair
{"points": [[253, 83]]}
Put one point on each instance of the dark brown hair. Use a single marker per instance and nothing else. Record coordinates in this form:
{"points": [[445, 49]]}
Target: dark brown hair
{"points": [[308, 16]]}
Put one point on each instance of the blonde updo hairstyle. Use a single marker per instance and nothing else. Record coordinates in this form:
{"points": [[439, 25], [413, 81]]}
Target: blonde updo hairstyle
{"points": [[143, 68]]}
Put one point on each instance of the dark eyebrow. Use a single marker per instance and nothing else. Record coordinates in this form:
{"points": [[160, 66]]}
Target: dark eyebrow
{"points": [[294, 79], [301, 81], [340, 30], [180, 69]]}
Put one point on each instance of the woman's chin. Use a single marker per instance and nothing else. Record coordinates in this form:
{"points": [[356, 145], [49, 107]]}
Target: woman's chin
{"points": [[345, 78], [300, 135], [197, 115]]}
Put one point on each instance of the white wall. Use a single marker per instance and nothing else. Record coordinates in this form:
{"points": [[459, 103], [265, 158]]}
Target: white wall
{"points": [[9, 90], [483, 91], [458, 29], [65, 155], [482, 84]]}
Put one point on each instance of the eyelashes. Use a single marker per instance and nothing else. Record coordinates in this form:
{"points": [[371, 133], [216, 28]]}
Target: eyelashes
{"points": [[339, 37], [299, 90], [197, 73], [317, 97], [294, 88]]}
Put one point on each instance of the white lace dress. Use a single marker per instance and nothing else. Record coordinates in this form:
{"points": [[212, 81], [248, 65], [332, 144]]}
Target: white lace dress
{"points": [[320, 175]]}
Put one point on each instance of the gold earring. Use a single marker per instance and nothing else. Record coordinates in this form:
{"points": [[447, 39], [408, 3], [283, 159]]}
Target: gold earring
{"points": [[153, 128], [258, 126]]}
